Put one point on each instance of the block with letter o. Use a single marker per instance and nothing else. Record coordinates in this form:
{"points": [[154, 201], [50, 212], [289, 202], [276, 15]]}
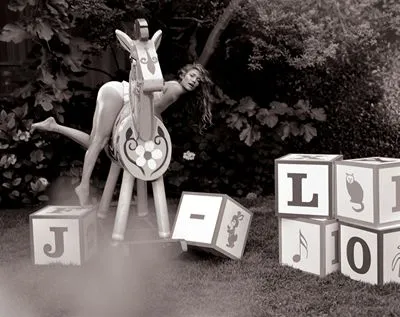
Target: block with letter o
{"points": [[63, 234], [309, 244], [369, 254], [368, 191], [213, 222], [304, 185]]}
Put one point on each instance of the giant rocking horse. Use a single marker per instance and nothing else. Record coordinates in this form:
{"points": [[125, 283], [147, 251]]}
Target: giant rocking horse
{"points": [[140, 144]]}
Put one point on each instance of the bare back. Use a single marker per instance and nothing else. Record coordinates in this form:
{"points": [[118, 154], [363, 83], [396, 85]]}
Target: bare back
{"points": [[162, 99]]}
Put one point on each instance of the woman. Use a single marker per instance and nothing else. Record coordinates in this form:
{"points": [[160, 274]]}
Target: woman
{"points": [[111, 98]]}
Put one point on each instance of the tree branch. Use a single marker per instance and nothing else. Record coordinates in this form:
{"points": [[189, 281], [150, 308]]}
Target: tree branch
{"points": [[220, 26], [199, 21], [193, 45]]}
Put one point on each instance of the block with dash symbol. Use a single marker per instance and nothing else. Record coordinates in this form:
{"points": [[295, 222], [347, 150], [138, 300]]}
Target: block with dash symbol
{"points": [[213, 222], [63, 234]]}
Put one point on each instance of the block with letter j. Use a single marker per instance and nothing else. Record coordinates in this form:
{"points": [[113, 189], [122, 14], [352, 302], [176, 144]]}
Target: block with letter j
{"points": [[63, 234], [304, 185]]}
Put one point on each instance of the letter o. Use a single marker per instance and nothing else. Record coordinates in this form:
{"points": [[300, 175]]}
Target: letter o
{"points": [[366, 255]]}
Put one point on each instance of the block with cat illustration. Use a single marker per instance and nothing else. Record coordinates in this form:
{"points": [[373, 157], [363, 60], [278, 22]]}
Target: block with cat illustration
{"points": [[309, 244], [370, 254], [304, 185], [368, 191], [63, 234], [213, 222]]}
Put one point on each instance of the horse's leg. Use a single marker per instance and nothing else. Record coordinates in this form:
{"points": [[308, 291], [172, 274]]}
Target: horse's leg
{"points": [[108, 105], [142, 199], [51, 125], [160, 203], [108, 191], [124, 202]]}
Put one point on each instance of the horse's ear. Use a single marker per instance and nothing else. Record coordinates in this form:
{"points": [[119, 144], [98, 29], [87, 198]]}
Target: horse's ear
{"points": [[125, 40], [157, 38]]}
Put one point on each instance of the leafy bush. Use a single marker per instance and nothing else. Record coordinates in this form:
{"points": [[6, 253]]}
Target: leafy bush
{"points": [[290, 76], [22, 160], [48, 81], [222, 160]]}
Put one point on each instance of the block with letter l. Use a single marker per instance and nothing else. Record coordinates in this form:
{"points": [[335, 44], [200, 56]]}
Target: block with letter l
{"points": [[213, 222], [309, 244], [304, 185], [368, 191], [369, 254], [63, 234]]}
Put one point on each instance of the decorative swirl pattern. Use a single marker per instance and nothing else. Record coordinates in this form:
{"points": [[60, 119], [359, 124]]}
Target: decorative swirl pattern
{"points": [[147, 157], [129, 146], [157, 140]]}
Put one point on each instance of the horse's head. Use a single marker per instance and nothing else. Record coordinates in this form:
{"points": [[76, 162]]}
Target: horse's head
{"points": [[143, 52], [145, 75]]}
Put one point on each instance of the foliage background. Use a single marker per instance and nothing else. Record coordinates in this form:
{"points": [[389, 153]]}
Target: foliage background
{"points": [[311, 76]]}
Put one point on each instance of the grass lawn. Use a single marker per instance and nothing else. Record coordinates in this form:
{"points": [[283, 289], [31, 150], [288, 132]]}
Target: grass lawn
{"points": [[162, 281]]}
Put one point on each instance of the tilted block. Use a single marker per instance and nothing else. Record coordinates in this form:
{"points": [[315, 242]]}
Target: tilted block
{"points": [[63, 234], [369, 254], [304, 185], [368, 191], [309, 244], [214, 222]]}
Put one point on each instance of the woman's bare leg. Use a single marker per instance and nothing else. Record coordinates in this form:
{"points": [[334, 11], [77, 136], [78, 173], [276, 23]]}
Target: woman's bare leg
{"points": [[109, 103], [51, 125]]}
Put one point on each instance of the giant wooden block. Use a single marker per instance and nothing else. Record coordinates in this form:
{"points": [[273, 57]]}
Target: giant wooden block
{"points": [[368, 191], [214, 222], [309, 244], [63, 234], [304, 185], [369, 254]]}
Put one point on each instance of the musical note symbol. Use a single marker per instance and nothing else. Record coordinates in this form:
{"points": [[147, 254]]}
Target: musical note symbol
{"points": [[302, 242]]}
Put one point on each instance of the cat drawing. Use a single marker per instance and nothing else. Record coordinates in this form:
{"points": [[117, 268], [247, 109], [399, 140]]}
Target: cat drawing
{"points": [[355, 191]]}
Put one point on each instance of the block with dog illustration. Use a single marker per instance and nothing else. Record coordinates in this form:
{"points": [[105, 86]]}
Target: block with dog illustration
{"points": [[309, 244], [368, 191], [63, 234], [214, 222], [304, 185]]}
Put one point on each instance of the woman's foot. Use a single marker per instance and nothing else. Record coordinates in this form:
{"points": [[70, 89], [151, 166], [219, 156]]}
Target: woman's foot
{"points": [[83, 195], [49, 124]]}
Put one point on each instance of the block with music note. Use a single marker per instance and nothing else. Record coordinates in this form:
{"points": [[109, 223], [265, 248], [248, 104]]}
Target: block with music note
{"points": [[309, 244], [63, 234], [213, 222], [304, 185], [369, 254], [368, 191]]}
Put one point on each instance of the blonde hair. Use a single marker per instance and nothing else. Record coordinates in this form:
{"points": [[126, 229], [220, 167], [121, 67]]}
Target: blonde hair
{"points": [[200, 98]]}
